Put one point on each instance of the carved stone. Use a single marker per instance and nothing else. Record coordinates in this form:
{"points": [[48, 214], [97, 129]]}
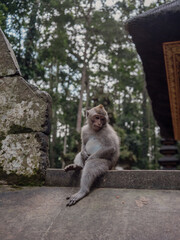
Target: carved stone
{"points": [[172, 62]]}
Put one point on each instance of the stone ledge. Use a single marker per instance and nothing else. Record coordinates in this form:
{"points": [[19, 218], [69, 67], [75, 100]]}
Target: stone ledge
{"points": [[135, 179]]}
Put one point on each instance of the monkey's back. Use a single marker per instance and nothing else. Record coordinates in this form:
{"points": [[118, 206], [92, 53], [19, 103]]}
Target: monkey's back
{"points": [[114, 140]]}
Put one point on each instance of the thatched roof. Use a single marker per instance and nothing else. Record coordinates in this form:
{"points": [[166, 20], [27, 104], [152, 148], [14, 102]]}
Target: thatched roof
{"points": [[149, 31]]}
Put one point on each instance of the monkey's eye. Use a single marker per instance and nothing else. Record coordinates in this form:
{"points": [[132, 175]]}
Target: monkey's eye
{"points": [[97, 117], [103, 120]]}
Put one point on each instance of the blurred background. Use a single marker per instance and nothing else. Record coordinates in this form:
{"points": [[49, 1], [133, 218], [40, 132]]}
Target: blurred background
{"points": [[80, 53]]}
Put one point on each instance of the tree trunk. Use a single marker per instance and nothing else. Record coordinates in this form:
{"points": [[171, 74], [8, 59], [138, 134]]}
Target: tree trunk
{"points": [[145, 131], [87, 92], [64, 146], [84, 70], [54, 123], [79, 116]]}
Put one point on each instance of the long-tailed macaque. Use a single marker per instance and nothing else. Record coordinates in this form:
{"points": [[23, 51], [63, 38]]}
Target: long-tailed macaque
{"points": [[99, 151]]}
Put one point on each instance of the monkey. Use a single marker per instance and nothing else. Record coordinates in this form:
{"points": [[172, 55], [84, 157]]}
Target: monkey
{"points": [[99, 151]]}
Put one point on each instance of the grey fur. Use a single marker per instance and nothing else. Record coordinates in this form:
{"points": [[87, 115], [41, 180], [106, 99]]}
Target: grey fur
{"points": [[98, 162]]}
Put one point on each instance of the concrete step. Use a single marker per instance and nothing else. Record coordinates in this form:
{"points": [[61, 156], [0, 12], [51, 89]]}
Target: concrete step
{"points": [[135, 179], [40, 213]]}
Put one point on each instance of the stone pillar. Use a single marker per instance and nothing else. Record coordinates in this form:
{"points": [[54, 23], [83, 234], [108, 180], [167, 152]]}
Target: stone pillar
{"points": [[24, 119]]}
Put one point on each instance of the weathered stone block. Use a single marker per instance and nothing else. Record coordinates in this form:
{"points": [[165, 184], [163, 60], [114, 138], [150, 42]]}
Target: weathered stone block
{"points": [[24, 120], [24, 154], [23, 108], [8, 62]]}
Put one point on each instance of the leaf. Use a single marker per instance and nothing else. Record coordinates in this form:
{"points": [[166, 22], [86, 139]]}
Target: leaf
{"points": [[142, 201]]}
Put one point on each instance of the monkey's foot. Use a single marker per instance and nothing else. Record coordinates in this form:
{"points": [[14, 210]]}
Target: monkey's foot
{"points": [[72, 167], [75, 198]]}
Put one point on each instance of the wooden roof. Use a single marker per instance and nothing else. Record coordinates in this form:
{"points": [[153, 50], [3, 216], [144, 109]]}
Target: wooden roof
{"points": [[156, 34]]}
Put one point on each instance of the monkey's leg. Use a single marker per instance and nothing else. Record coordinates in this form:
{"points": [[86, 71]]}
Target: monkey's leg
{"points": [[105, 152], [77, 165], [93, 168]]}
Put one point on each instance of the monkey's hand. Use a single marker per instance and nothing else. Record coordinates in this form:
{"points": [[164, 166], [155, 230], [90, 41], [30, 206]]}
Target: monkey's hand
{"points": [[72, 167], [84, 155]]}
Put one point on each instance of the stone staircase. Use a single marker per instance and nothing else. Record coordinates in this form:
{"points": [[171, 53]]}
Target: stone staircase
{"points": [[128, 179]]}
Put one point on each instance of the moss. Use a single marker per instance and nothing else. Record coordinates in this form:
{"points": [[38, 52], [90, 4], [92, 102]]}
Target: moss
{"points": [[2, 137], [12, 159], [19, 129], [20, 180], [17, 187]]}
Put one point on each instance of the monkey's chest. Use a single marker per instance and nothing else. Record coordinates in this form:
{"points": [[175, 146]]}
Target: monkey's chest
{"points": [[93, 145]]}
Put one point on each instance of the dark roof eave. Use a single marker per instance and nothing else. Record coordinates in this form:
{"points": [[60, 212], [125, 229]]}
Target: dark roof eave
{"points": [[149, 30]]}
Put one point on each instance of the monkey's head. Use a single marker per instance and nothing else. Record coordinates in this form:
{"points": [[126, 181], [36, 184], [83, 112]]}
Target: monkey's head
{"points": [[97, 118]]}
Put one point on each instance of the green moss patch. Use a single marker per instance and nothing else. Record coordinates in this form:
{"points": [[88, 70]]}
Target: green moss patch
{"points": [[21, 180], [19, 129]]}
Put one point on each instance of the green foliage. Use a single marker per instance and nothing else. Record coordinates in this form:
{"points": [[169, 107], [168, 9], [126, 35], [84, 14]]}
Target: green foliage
{"points": [[127, 158], [3, 15], [68, 158]]}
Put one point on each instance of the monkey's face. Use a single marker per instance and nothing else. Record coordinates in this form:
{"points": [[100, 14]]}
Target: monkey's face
{"points": [[98, 122]]}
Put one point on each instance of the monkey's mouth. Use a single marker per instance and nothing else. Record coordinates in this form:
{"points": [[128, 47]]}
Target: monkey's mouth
{"points": [[97, 128]]}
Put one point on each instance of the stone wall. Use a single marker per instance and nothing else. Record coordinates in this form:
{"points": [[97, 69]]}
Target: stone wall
{"points": [[24, 119]]}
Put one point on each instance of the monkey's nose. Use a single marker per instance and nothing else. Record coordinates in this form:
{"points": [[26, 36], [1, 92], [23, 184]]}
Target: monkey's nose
{"points": [[99, 123]]}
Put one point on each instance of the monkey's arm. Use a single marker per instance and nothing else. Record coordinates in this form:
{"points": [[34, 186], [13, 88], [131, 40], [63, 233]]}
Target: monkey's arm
{"points": [[104, 152], [84, 153], [77, 165]]}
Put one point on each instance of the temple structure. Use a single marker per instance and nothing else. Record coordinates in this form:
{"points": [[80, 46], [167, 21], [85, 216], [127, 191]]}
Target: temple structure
{"points": [[156, 34]]}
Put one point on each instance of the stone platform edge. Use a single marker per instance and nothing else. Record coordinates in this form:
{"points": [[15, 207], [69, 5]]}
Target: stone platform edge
{"points": [[130, 179]]}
